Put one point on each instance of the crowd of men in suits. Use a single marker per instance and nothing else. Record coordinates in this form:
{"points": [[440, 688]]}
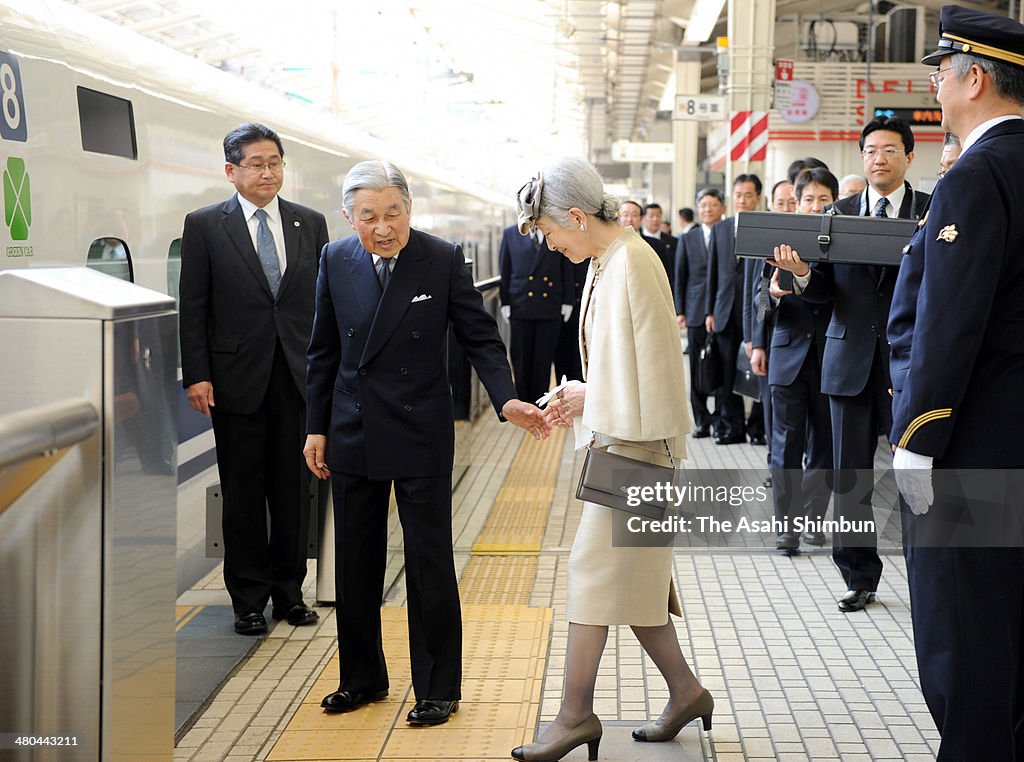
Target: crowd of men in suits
{"points": [[286, 337]]}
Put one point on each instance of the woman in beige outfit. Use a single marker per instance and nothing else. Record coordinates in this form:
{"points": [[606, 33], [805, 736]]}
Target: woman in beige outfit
{"points": [[634, 400]]}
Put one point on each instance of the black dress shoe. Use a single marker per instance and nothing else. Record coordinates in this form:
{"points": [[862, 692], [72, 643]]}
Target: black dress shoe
{"points": [[346, 701], [855, 600], [817, 539], [731, 439], [701, 432], [252, 623], [298, 615], [432, 712], [757, 440], [787, 543]]}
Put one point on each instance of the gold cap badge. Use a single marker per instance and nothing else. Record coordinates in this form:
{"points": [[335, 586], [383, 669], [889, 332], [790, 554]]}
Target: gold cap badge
{"points": [[948, 234]]}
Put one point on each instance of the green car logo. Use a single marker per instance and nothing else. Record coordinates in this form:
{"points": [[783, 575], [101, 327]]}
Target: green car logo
{"points": [[17, 201]]}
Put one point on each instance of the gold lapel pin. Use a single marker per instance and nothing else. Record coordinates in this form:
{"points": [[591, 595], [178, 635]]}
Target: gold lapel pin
{"points": [[948, 234]]}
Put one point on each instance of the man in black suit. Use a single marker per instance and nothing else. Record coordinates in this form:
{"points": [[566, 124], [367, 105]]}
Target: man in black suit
{"points": [[380, 414], [537, 294], [725, 313], [690, 293], [855, 370], [664, 244], [957, 405], [248, 281]]}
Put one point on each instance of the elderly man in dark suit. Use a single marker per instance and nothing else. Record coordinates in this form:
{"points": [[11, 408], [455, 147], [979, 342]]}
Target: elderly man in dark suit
{"points": [[957, 376], [690, 294], [537, 295], [248, 280], [380, 415], [855, 370]]}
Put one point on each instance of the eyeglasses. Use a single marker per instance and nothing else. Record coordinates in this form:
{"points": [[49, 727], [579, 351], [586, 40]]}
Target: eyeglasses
{"points": [[888, 152], [935, 79], [259, 169]]}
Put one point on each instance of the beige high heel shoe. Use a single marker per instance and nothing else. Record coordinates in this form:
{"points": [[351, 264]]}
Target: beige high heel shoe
{"points": [[587, 732], [701, 707]]}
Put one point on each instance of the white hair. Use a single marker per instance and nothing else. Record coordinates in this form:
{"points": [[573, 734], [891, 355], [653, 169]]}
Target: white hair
{"points": [[570, 183], [375, 175]]}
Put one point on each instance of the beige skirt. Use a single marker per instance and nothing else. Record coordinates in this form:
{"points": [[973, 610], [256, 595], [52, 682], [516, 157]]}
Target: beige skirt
{"points": [[618, 585]]}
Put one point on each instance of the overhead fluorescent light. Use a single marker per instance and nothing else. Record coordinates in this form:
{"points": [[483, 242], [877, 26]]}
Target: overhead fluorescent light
{"points": [[702, 21]]}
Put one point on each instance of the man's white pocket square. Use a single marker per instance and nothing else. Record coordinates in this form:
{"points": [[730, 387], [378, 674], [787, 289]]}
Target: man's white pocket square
{"points": [[421, 298]]}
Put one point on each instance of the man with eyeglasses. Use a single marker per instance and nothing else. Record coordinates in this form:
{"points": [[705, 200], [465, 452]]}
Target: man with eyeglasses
{"points": [[957, 328], [248, 287], [950, 153], [855, 368]]}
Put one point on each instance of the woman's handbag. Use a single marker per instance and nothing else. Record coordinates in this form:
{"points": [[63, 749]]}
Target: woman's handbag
{"points": [[617, 482], [709, 367]]}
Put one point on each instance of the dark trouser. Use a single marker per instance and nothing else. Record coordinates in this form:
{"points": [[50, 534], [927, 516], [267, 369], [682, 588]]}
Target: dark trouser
{"points": [[967, 606], [567, 355], [259, 457], [696, 335], [801, 424], [532, 345], [755, 421], [435, 614], [729, 406], [856, 423]]}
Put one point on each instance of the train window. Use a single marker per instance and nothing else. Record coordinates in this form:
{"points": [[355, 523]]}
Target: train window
{"points": [[110, 256], [108, 124]]}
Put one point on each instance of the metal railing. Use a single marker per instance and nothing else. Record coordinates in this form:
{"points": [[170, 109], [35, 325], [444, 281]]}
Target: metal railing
{"points": [[38, 433]]}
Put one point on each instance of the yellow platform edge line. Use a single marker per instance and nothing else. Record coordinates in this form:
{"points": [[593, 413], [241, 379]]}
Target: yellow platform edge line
{"points": [[188, 617]]}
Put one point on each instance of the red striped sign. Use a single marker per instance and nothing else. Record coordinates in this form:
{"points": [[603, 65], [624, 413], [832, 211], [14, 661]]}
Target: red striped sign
{"points": [[748, 136]]}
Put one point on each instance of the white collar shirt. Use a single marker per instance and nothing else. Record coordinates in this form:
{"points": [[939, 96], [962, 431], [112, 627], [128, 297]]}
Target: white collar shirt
{"points": [[895, 200]]}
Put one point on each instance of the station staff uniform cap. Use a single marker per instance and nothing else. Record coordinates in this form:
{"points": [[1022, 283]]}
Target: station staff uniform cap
{"points": [[965, 30]]}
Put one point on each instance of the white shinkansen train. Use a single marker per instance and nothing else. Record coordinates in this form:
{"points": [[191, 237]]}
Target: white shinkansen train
{"points": [[108, 139]]}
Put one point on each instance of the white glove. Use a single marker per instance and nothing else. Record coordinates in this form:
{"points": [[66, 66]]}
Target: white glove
{"points": [[914, 479], [506, 310], [566, 312]]}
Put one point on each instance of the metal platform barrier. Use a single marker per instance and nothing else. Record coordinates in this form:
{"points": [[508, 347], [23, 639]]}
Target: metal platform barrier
{"points": [[88, 517]]}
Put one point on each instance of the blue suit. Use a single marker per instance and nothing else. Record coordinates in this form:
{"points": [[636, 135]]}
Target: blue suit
{"points": [[957, 334], [535, 283], [855, 376], [800, 412], [378, 389], [690, 294]]}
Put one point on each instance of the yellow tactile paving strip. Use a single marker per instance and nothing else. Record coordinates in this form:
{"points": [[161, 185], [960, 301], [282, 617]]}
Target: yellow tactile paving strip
{"points": [[520, 513], [505, 645]]}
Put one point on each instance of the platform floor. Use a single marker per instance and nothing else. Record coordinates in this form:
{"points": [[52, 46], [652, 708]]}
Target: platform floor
{"points": [[793, 678]]}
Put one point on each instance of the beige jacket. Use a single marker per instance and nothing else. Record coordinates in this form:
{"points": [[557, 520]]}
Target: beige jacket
{"points": [[629, 340]]}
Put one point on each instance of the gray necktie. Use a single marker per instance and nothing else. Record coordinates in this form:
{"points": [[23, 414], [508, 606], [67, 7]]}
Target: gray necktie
{"points": [[266, 249], [384, 272], [880, 207]]}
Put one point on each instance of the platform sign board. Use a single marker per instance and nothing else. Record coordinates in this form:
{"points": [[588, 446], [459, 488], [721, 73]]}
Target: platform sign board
{"points": [[783, 86], [623, 150], [701, 108], [920, 109]]}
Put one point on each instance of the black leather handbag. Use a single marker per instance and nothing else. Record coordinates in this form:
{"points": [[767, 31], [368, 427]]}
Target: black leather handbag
{"points": [[709, 367], [616, 481]]}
